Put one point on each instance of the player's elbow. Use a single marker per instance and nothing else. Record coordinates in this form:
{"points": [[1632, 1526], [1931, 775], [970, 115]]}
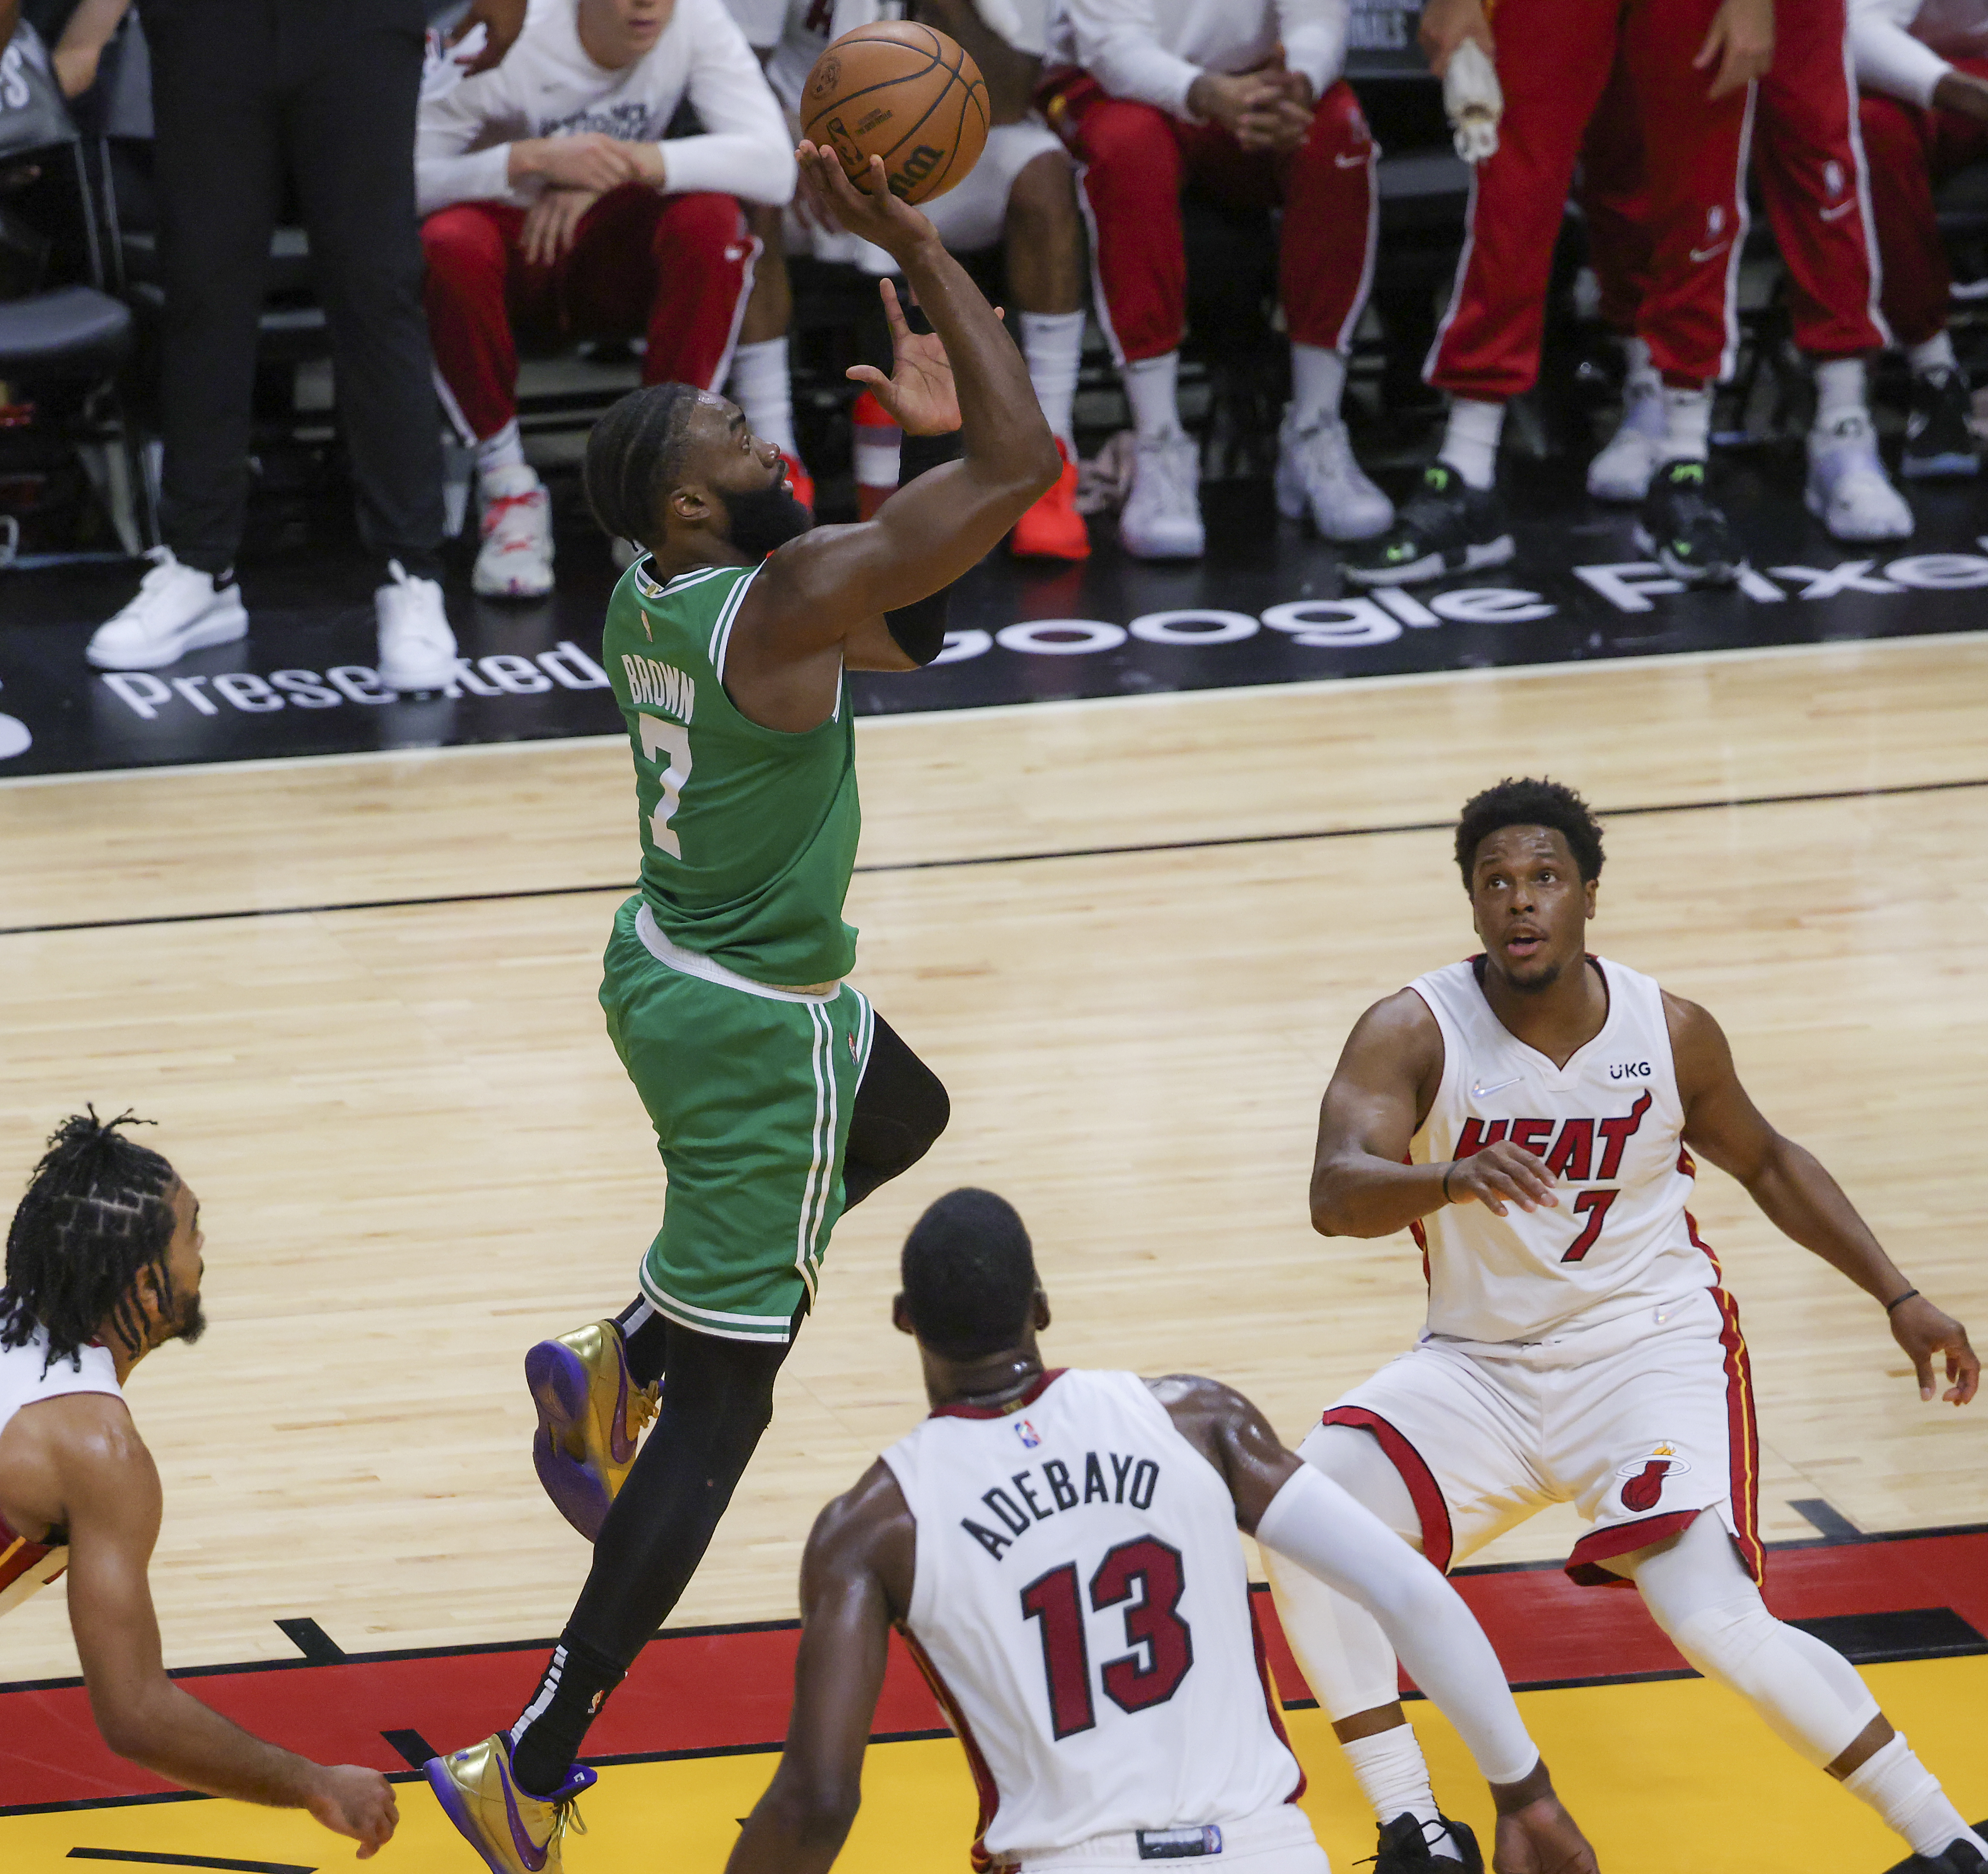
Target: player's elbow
{"points": [[1332, 1214], [131, 1729], [815, 1813]]}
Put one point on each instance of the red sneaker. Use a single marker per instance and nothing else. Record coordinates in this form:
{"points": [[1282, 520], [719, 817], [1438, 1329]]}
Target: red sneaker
{"points": [[1053, 528], [800, 481]]}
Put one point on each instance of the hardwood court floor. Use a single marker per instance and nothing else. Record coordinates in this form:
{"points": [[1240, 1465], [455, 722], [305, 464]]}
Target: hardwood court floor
{"points": [[1129, 935]]}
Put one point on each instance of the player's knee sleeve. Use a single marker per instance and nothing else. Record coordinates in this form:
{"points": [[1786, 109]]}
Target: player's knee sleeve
{"points": [[901, 1108], [1354, 1459], [1339, 1646]]}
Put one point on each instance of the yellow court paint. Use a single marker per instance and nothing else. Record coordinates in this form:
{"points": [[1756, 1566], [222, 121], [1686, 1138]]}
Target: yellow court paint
{"points": [[1673, 1777]]}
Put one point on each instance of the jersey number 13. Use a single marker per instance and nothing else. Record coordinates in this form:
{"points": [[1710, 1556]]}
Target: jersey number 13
{"points": [[1144, 1576]]}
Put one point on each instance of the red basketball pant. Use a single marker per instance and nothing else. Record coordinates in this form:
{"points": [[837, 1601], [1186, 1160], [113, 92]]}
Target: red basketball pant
{"points": [[1911, 152], [1810, 159], [676, 267], [1554, 59], [1137, 159]]}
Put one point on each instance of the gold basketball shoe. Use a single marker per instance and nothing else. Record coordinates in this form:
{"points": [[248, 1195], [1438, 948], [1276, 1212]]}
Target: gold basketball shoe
{"points": [[591, 1415], [515, 1831]]}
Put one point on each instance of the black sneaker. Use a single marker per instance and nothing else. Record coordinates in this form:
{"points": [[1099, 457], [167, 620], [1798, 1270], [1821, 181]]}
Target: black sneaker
{"points": [[1404, 1848], [1960, 1857], [1939, 442], [1446, 526], [1685, 530]]}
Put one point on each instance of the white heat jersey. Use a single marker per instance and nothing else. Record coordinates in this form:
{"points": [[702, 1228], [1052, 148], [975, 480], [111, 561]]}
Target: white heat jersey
{"points": [[1081, 1606], [1609, 1125], [27, 1567]]}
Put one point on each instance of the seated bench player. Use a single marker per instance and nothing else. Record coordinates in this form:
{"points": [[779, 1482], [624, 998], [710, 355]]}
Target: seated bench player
{"points": [[557, 206], [103, 1266], [1923, 69], [1243, 102], [1020, 197]]}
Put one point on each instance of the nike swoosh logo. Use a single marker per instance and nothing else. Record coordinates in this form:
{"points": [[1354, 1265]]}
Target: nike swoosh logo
{"points": [[1710, 253], [1837, 213], [1479, 1091], [1349, 162]]}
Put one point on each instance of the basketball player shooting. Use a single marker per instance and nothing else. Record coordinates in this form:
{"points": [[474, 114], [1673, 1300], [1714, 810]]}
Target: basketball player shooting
{"points": [[1038, 1521], [103, 1267], [780, 1098], [1531, 1115]]}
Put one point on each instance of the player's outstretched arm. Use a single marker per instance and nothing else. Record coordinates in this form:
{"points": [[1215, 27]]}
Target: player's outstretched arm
{"points": [[1380, 1092], [855, 1579], [110, 1491], [1300, 1513], [1802, 1201], [818, 590]]}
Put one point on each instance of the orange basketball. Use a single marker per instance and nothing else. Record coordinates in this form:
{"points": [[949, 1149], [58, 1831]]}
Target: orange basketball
{"points": [[905, 94]]}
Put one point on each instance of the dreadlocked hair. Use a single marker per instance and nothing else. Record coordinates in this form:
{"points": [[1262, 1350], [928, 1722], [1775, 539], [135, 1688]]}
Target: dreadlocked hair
{"points": [[97, 1213], [635, 455], [1530, 803]]}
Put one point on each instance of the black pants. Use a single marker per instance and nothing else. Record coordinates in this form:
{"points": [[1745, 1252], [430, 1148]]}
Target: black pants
{"points": [[244, 91]]}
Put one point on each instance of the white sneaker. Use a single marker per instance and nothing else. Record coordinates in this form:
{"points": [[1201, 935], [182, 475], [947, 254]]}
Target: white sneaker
{"points": [[1848, 490], [1622, 470], [1317, 474], [515, 559], [1162, 515], [179, 609], [417, 647]]}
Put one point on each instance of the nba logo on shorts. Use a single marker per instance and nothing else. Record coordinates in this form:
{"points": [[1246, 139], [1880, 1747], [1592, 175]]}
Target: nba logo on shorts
{"points": [[1029, 1436]]}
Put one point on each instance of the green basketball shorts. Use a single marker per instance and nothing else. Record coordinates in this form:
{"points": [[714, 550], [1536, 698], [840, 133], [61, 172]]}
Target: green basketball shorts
{"points": [[750, 1090]]}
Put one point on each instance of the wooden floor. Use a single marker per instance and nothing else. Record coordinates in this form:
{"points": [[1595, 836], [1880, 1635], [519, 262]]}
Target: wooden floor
{"points": [[1130, 935]]}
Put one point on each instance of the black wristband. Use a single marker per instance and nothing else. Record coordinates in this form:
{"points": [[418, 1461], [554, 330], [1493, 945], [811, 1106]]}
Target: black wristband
{"points": [[1901, 1300], [1447, 1169], [919, 628]]}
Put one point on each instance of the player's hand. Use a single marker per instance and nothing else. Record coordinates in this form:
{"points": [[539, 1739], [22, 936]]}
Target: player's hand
{"points": [[1501, 1175], [1282, 122], [75, 68], [355, 1803], [1741, 44], [1446, 24], [1925, 1331], [1964, 93], [552, 222], [919, 393], [1231, 98], [1542, 1839], [501, 22], [588, 161], [870, 212]]}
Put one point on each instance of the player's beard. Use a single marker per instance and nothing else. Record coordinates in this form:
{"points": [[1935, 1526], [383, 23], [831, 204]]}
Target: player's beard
{"points": [[765, 519], [192, 1323]]}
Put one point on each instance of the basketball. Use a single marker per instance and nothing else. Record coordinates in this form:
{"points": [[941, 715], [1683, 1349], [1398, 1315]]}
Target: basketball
{"points": [[903, 93]]}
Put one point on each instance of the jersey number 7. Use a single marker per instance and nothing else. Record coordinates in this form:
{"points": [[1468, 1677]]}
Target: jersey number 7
{"points": [[1144, 1572], [1595, 1204], [671, 739]]}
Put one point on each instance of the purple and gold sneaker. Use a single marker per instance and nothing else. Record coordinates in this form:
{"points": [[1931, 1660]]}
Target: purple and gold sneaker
{"points": [[515, 1831], [591, 1415]]}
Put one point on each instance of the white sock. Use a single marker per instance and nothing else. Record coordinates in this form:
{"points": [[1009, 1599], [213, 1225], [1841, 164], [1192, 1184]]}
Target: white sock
{"points": [[1388, 1767], [1936, 354], [1636, 357], [504, 450], [1053, 344], [1470, 444], [761, 387], [879, 448], [1839, 390], [1908, 1795], [1149, 388], [1687, 425], [1318, 377]]}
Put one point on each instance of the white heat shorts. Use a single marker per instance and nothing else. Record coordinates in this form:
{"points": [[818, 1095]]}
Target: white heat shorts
{"points": [[970, 217], [1278, 1841], [1642, 1423]]}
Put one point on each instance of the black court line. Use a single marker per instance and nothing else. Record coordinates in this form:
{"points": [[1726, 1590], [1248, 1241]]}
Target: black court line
{"points": [[1605, 814], [317, 1646], [188, 1861]]}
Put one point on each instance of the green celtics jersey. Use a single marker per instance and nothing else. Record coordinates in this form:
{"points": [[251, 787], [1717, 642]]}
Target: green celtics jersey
{"points": [[749, 834]]}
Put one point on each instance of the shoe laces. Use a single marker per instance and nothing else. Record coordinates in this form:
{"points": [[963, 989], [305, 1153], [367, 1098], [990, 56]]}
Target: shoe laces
{"points": [[1168, 468], [1326, 448], [643, 1403], [165, 565], [502, 513], [1441, 1829]]}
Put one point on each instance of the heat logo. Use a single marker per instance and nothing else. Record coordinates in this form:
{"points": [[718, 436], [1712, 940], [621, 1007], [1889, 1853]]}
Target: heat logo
{"points": [[1643, 1477]]}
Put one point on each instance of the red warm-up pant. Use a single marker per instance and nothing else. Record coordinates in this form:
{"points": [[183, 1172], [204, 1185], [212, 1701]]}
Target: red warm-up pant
{"points": [[1138, 160], [1811, 161], [1911, 152], [1554, 58], [677, 268]]}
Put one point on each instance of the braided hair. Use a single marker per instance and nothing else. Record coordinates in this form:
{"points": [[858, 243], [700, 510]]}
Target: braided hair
{"points": [[635, 455], [98, 1212]]}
